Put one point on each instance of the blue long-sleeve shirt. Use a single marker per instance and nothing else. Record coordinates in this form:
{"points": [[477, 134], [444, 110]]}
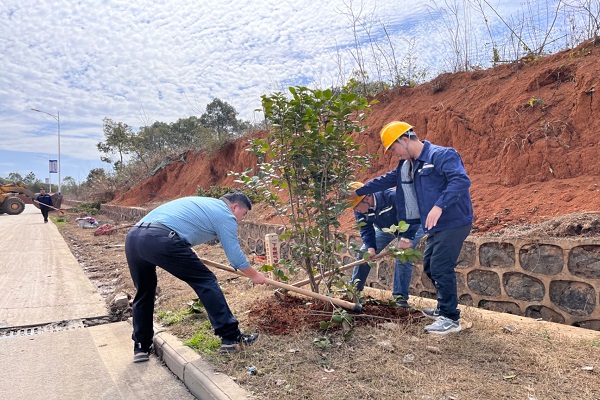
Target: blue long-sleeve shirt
{"points": [[440, 179], [199, 220]]}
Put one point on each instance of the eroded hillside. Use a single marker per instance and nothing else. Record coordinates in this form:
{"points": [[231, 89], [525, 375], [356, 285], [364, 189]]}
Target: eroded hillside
{"points": [[527, 132]]}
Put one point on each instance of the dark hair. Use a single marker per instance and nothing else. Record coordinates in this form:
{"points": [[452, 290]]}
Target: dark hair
{"points": [[238, 198]]}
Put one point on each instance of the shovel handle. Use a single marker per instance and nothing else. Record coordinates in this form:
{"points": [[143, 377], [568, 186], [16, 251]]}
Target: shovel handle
{"points": [[338, 302], [116, 228], [343, 268], [54, 208]]}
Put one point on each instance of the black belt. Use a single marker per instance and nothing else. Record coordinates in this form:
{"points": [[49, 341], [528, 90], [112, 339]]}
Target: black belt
{"points": [[149, 225]]}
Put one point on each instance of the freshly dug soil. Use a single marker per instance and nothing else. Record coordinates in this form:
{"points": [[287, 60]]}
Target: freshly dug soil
{"points": [[284, 314]]}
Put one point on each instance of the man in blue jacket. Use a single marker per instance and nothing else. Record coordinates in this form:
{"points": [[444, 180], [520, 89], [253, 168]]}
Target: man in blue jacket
{"points": [[442, 188], [374, 212], [164, 238], [44, 200]]}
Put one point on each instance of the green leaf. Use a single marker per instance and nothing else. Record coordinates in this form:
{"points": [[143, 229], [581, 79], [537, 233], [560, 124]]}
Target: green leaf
{"points": [[391, 229], [323, 325], [267, 268], [196, 306]]}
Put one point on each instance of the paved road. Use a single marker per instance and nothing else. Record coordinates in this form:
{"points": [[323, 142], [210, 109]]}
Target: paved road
{"points": [[41, 283]]}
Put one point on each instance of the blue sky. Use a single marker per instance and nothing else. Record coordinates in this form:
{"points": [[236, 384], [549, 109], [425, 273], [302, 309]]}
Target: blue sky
{"points": [[142, 61]]}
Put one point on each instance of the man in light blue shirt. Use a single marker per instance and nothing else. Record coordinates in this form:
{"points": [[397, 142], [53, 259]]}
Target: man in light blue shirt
{"points": [[164, 238]]}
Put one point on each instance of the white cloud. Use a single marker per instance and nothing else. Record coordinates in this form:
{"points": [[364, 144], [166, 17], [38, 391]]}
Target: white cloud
{"points": [[140, 61]]}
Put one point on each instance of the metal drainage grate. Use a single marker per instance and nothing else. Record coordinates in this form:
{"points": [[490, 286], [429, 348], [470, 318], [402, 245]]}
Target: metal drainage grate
{"points": [[38, 329]]}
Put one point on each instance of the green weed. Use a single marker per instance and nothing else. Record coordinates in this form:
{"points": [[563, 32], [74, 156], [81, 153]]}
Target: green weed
{"points": [[59, 221], [203, 341], [535, 100], [88, 208], [170, 317]]}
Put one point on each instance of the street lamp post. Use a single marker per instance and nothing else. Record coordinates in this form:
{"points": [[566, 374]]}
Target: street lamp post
{"points": [[57, 118]]}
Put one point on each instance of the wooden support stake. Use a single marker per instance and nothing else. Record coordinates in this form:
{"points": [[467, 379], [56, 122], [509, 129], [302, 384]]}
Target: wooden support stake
{"points": [[338, 302]]}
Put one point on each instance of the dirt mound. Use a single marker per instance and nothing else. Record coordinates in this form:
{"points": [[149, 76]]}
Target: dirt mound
{"points": [[181, 176], [571, 225], [286, 314], [527, 134]]}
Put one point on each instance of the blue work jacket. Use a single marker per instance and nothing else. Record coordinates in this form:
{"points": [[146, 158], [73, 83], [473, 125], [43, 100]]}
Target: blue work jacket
{"points": [[382, 216], [45, 200], [440, 180]]}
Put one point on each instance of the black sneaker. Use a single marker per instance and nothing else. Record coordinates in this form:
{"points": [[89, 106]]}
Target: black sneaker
{"points": [[141, 354], [230, 346], [401, 301], [432, 313]]}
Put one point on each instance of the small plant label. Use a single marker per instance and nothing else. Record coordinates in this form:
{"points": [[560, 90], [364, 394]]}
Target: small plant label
{"points": [[272, 247]]}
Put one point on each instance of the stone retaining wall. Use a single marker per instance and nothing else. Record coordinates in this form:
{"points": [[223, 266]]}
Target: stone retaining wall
{"points": [[555, 279], [118, 213]]}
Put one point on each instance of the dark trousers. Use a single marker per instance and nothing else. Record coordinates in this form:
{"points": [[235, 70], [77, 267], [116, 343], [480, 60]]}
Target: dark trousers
{"points": [[44, 212], [439, 260], [148, 247], [402, 271]]}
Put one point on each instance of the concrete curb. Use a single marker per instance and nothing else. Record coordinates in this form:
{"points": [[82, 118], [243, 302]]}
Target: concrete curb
{"points": [[197, 375]]}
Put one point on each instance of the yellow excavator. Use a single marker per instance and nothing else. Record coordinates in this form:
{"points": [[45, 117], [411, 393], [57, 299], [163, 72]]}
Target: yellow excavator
{"points": [[11, 204]]}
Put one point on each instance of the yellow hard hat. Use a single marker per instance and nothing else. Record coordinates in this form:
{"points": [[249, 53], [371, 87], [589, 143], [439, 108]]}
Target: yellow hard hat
{"points": [[392, 131], [353, 186]]}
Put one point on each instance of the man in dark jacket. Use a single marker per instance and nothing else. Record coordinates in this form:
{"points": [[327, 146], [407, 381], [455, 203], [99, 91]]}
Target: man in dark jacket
{"points": [[44, 200], [374, 212], [442, 189]]}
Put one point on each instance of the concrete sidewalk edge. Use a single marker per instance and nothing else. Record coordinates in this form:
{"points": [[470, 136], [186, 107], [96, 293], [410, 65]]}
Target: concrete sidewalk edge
{"points": [[197, 375]]}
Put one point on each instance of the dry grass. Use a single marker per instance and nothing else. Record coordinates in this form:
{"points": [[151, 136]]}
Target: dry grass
{"points": [[400, 361], [499, 357]]}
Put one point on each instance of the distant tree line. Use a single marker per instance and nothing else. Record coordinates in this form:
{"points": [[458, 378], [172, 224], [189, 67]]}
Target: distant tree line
{"points": [[134, 155], [123, 146], [68, 184]]}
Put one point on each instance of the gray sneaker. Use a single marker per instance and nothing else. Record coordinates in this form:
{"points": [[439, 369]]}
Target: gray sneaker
{"points": [[443, 326], [432, 313]]}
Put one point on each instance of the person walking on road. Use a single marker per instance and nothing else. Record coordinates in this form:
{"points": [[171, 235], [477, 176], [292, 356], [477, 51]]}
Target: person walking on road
{"points": [[374, 212], [44, 200], [442, 189], [164, 238]]}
